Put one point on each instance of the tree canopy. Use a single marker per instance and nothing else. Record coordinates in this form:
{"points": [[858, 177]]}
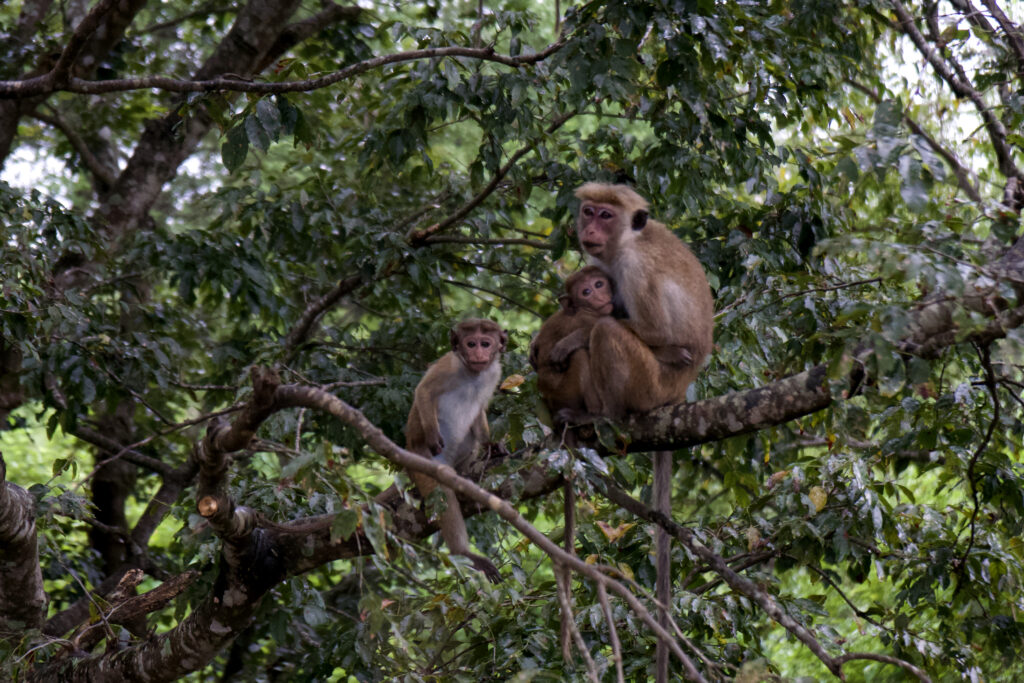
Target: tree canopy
{"points": [[235, 236]]}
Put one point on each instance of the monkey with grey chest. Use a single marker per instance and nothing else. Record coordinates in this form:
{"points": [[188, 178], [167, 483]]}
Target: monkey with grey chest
{"points": [[448, 419]]}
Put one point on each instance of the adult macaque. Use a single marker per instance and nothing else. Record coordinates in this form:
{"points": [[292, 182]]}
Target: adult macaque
{"points": [[559, 351], [448, 420], [652, 356]]}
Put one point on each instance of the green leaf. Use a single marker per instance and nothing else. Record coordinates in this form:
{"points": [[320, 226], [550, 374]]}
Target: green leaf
{"points": [[235, 148]]}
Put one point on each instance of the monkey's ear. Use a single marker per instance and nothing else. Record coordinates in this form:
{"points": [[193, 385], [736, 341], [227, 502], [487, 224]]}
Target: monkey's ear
{"points": [[502, 339], [453, 336], [639, 220], [565, 303]]}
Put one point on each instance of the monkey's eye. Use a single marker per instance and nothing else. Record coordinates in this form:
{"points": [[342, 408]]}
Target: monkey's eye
{"points": [[588, 211], [599, 284], [606, 214], [485, 344], [586, 291]]}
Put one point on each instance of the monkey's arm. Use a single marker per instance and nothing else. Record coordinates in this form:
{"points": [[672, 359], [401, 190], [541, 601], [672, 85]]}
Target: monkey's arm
{"points": [[423, 429], [567, 345], [481, 429]]}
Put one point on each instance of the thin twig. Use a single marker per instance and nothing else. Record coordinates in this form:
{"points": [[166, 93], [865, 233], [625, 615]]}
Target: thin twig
{"points": [[570, 622], [613, 633], [990, 382]]}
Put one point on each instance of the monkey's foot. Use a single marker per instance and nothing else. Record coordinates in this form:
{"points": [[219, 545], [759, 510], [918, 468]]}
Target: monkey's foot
{"points": [[676, 355], [486, 566]]}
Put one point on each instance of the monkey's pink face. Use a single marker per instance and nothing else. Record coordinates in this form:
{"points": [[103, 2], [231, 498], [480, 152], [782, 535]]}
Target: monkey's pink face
{"points": [[597, 224], [478, 350], [594, 294]]}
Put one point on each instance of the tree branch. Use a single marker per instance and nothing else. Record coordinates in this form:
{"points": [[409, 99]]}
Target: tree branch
{"points": [[416, 237], [22, 598], [48, 83], [961, 87]]}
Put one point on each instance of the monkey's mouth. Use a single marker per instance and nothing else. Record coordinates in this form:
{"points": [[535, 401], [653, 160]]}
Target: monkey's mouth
{"points": [[593, 248], [478, 365], [606, 309]]}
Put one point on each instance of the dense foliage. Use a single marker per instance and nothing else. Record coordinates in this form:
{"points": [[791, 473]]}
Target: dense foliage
{"points": [[288, 196]]}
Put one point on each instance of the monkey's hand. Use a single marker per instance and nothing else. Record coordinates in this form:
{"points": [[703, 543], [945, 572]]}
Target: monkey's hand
{"points": [[435, 443], [676, 356]]}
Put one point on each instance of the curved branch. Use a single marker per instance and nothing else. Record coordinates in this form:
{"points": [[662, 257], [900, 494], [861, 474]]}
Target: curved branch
{"points": [[314, 311], [104, 175], [308, 397], [419, 236], [886, 659], [46, 84]]}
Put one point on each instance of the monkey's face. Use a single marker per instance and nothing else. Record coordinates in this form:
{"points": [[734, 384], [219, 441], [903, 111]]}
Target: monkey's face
{"points": [[598, 225], [478, 349], [593, 293]]}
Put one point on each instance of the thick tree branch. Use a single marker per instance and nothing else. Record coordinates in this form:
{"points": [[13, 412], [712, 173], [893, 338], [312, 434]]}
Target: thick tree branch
{"points": [[22, 599], [44, 85]]}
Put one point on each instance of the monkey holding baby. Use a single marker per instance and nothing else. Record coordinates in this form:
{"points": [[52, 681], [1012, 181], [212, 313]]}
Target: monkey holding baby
{"points": [[650, 357], [448, 420]]}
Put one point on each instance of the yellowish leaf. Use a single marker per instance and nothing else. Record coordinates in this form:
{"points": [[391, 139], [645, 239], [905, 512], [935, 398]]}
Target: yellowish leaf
{"points": [[614, 533], [753, 538], [511, 382], [818, 497]]}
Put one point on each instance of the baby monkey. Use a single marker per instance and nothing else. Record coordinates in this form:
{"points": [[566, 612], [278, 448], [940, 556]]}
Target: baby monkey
{"points": [[559, 351]]}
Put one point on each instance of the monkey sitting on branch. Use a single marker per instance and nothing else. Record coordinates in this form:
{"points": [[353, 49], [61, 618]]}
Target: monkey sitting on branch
{"points": [[559, 351], [649, 358], [448, 420]]}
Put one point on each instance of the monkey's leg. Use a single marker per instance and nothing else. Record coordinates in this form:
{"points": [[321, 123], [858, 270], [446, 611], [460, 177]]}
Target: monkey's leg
{"points": [[453, 527], [624, 374]]}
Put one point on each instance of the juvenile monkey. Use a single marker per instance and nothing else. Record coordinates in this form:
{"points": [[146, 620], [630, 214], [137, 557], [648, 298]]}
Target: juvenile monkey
{"points": [[448, 419], [559, 351], [652, 356]]}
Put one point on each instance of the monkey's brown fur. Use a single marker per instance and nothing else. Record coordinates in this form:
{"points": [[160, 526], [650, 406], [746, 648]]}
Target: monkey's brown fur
{"points": [[559, 351], [652, 357], [448, 419]]}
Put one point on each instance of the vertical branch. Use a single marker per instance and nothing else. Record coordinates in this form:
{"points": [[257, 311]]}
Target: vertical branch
{"points": [[613, 633], [567, 619], [662, 495], [22, 598], [565, 576], [990, 383]]}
